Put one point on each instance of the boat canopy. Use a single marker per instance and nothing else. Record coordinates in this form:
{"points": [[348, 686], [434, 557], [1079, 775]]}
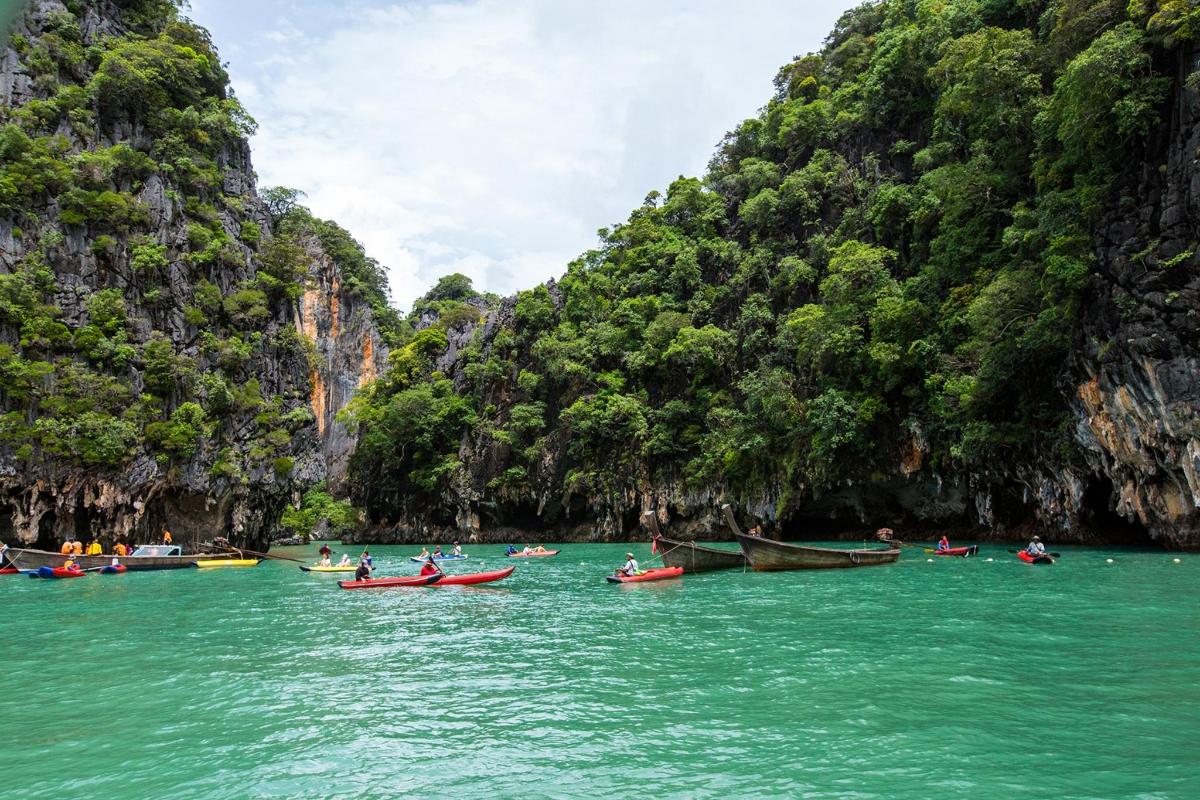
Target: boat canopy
{"points": [[158, 550]]}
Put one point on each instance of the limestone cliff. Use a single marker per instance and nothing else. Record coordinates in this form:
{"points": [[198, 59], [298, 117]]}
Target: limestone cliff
{"points": [[170, 356]]}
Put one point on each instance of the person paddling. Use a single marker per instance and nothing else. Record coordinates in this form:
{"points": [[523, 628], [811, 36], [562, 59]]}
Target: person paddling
{"points": [[510, 550], [325, 552], [457, 551], [430, 568], [363, 572], [345, 562], [324, 562], [631, 567], [943, 544], [1036, 548]]}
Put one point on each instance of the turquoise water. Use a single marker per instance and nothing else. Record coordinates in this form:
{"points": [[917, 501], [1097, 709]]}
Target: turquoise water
{"points": [[958, 678]]}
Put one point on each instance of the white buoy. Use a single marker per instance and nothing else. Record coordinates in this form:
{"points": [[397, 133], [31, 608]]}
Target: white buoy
{"points": [[990, 560], [1176, 560], [1108, 561], [930, 560]]}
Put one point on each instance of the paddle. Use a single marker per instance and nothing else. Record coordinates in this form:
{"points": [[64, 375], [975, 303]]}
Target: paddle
{"points": [[1052, 555], [261, 555]]}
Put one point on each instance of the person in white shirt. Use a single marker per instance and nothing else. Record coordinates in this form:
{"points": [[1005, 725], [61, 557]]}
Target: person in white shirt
{"points": [[1036, 548], [457, 549], [631, 566]]}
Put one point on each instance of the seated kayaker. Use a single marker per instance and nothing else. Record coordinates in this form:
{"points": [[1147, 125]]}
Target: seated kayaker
{"points": [[424, 553], [366, 556], [430, 568], [539, 549], [943, 543], [362, 572], [457, 551], [1036, 548], [527, 550], [631, 567], [70, 563], [345, 562], [437, 551], [510, 550], [325, 562]]}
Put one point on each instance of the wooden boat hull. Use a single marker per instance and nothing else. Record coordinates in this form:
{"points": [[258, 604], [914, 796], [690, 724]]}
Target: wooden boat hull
{"points": [[543, 554], [766, 555], [698, 558], [33, 559]]}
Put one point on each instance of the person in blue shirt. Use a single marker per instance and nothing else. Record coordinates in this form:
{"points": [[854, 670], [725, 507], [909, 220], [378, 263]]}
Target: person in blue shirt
{"points": [[510, 550], [1036, 548], [943, 543]]}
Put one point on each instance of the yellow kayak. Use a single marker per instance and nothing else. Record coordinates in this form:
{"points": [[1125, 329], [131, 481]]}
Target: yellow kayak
{"points": [[334, 568], [228, 562]]}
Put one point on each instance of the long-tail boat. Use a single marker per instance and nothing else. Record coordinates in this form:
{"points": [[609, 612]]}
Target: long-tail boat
{"points": [[146, 557], [768, 554], [689, 555]]}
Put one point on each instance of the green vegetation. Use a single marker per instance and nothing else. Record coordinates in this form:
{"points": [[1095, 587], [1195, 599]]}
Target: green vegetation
{"points": [[894, 248], [89, 374]]}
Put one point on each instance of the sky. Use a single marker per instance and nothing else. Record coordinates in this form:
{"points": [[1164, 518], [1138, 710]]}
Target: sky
{"points": [[495, 137]]}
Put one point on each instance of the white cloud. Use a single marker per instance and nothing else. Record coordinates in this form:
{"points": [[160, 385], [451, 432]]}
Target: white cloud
{"points": [[494, 137]]}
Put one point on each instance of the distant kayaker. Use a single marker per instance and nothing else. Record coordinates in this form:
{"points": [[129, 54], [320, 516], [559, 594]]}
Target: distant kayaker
{"points": [[457, 551], [325, 562], [345, 562], [429, 567], [631, 567], [437, 551], [943, 543], [541, 548], [510, 550], [424, 553], [1036, 548], [527, 550], [366, 556], [325, 551], [363, 572]]}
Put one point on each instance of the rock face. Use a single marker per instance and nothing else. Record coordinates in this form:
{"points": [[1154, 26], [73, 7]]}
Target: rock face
{"points": [[1129, 473], [178, 384]]}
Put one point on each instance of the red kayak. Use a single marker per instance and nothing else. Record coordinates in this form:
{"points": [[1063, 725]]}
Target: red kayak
{"points": [[9, 571], [959, 551], [57, 572], [1028, 559], [542, 554], [430, 580], [658, 574]]}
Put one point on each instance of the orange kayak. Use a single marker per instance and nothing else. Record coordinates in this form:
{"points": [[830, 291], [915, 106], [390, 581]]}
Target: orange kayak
{"points": [[658, 574], [542, 554]]}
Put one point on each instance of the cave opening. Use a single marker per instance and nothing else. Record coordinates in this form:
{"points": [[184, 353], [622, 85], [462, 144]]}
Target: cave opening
{"points": [[82, 521], [46, 539], [1106, 524]]}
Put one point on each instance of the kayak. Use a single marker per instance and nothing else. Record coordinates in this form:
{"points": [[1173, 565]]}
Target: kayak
{"points": [[430, 580], [227, 562], [9, 571], [657, 574], [959, 551], [57, 572], [333, 568], [113, 569], [420, 560], [1028, 559], [542, 554]]}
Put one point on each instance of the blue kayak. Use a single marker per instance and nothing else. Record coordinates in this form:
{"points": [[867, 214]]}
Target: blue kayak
{"points": [[420, 560]]}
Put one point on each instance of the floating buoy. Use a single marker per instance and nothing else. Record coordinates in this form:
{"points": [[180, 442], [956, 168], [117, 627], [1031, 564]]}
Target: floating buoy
{"points": [[1108, 561], [930, 560], [1176, 560], [990, 560]]}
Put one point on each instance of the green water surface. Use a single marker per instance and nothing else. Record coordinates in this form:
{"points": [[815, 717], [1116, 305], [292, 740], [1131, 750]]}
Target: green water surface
{"points": [[957, 678]]}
